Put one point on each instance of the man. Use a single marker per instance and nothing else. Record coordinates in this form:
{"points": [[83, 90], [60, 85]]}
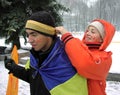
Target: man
{"points": [[50, 71]]}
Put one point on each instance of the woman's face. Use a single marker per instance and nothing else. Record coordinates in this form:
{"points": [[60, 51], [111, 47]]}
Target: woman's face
{"points": [[38, 41], [93, 35]]}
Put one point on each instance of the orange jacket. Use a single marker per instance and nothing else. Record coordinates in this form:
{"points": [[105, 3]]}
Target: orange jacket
{"points": [[93, 64]]}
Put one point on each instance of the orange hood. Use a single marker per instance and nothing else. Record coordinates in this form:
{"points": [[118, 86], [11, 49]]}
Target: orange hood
{"points": [[109, 33]]}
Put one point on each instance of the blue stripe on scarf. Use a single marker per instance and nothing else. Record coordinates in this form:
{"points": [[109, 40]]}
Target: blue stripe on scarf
{"points": [[56, 69]]}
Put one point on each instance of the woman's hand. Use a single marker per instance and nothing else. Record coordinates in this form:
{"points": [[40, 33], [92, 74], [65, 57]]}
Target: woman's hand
{"points": [[61, 30]]}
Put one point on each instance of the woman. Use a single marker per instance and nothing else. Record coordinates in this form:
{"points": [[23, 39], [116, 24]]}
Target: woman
{"points": [[89, 56]]}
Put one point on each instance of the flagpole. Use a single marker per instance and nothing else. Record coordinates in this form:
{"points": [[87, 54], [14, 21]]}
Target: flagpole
{"points": [[12, 88]]}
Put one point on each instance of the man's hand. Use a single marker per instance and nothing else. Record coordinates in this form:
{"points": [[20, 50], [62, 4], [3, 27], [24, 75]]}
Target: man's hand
{"points": [[9, 63]]}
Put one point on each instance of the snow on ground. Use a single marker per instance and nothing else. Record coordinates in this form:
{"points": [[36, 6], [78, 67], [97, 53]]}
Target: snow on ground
{"points": [[113, 88], [23, 86]]}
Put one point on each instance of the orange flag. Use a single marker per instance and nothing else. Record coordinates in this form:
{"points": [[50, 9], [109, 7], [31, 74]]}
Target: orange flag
{"points": [[12, 88]]}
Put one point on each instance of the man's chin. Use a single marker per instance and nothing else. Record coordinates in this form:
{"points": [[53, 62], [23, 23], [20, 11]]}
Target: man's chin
{"points": [[36, 49]]}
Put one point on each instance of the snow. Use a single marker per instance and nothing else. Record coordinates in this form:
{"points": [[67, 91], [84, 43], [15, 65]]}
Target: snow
{"points": [[23, 86], [113, 88]]}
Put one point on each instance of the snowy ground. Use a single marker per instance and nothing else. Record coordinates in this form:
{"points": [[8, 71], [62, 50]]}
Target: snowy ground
{"points": [[113, 88]]}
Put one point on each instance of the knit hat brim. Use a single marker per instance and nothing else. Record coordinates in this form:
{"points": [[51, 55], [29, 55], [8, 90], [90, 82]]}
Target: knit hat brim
{"points": [[40, 27]]}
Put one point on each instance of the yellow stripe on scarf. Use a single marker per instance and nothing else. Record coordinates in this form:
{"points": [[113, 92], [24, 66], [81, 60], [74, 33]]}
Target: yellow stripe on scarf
{"points": [[43, 28]]}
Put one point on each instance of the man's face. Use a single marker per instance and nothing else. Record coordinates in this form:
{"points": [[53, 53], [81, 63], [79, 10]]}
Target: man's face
{"points": [[38, 41]]}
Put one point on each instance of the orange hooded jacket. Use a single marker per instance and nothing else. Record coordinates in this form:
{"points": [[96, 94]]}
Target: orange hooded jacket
{"points": [[93, 64]]}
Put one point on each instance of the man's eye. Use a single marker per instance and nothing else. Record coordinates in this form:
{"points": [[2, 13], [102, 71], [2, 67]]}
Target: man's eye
{"points": [[34, 35]]}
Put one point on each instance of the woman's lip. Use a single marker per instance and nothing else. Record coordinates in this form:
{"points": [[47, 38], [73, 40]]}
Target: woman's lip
{"points": [[87, 38]]}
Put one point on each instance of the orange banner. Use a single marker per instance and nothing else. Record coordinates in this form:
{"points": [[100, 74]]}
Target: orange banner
{"points": [[12, 88]]}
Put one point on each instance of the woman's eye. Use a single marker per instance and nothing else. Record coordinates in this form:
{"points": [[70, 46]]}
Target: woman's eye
{"points": [[93, 31]]}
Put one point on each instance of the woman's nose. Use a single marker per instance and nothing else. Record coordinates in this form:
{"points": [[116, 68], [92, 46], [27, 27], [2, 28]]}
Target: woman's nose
{"points": [[88, 32]]}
